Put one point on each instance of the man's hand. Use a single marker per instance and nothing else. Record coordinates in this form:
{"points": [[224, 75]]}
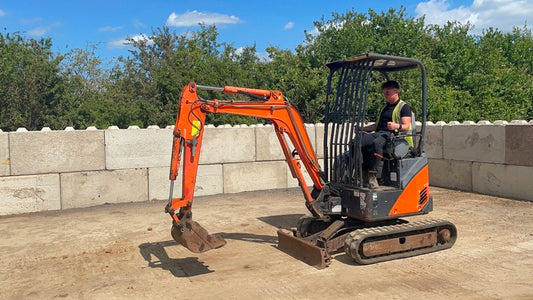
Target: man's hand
{"points": [[393, 126]]}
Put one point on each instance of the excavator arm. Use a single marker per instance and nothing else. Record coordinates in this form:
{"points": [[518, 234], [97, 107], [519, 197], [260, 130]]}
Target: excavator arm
{"points": [[187, 143]]}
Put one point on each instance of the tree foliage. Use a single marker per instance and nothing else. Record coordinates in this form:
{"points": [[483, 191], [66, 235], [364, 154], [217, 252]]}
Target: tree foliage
{"points": [[470, 77], [31, 86]]}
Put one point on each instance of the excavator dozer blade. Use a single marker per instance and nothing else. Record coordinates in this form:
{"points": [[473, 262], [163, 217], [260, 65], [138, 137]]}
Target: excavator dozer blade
{"points": [[194, 237], [303, 250]]}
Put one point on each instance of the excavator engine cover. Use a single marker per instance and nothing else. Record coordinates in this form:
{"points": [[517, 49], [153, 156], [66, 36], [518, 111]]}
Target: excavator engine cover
{"points": [[194, 237]]}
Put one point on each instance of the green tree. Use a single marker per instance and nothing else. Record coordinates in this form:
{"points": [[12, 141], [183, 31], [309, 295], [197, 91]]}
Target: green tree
{"points": [[31, 86], [470, 77], [82, 102]]}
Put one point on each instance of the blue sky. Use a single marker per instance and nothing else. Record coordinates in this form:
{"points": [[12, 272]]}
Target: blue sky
{"points": [[74, 24]]}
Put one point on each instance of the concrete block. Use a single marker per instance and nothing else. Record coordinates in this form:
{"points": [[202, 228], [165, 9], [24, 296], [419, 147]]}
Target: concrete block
{"points": [[56, 151], [227, 145], [159, 184], [311, 132], [267, 145], [4, 154], [138, 148], [452, 174], [208, 182], [32, 193], [519, 145], [482, 143], [503, 180], [243, 177], [86, 189], [293, 182], [319, 140], [433, 142]]}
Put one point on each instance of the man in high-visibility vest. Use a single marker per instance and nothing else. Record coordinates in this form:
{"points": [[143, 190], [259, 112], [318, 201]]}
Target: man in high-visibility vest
{"points": [[394, 117]]}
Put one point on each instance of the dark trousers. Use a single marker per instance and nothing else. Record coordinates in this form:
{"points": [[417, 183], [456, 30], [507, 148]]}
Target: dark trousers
{"points": [[375, 142]]}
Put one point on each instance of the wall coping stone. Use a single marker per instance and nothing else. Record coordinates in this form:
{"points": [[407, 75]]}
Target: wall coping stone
{"points": [[310, 125], [484, 122], [500, 122]]}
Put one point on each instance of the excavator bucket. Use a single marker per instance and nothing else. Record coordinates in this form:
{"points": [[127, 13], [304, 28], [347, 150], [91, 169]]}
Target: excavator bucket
{"points": [[194, 237], [303, 250]]}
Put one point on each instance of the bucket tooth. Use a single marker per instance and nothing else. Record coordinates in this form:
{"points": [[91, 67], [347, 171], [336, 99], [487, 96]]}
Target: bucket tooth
{"points": [[194, 237]]}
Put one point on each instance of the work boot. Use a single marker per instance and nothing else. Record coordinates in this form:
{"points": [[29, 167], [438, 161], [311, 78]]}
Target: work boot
{"points": [[365, 178], [373, 179]]}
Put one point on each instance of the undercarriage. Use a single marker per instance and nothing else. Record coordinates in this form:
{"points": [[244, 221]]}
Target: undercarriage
{"points": [[365, 243]]}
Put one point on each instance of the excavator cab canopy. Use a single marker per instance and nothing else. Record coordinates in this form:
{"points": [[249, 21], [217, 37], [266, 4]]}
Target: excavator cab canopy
{"points": [[382, 63], [346, 111]]}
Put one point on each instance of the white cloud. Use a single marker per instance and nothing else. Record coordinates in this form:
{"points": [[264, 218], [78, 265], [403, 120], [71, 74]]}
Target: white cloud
{"points": [[2, 13], [313, 32], [125, 42], [31, 21], [39, 31], [138, 24], [110, 28], [193, 18], [500, 14], [118, 43], [262, 56], [288, 26], [337, 26]]}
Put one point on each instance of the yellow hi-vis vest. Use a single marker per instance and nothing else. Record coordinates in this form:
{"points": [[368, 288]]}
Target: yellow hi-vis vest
{"points": [[396, 119]]}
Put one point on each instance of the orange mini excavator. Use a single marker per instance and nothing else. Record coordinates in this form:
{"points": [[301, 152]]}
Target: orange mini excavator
{"points": [[368, 223]]}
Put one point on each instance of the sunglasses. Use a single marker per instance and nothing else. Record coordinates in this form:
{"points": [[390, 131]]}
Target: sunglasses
{"points": [[386, 93]]}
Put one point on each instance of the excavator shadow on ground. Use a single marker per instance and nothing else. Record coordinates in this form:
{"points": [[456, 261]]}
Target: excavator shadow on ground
{"points": [[157, 257]]}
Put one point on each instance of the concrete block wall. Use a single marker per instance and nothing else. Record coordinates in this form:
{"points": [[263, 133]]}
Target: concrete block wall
{"points": [[486, 158], [52, 170]]}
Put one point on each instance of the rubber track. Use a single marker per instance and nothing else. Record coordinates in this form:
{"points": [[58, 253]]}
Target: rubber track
{"points": [[353, 241]]}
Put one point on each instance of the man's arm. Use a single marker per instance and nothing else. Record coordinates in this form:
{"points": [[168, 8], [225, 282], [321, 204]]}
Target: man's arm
{"points": [[402, 126], [405, 119]]}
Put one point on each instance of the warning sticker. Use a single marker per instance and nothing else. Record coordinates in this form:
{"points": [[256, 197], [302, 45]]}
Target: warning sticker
{"points": [[195, 127]]}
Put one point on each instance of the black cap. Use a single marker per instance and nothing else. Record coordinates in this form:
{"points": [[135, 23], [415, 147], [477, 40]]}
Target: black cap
{"points": [[390, 84]]}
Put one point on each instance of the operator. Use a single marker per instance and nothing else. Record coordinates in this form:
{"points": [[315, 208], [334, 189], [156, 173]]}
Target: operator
{"points": [[394, 117]]}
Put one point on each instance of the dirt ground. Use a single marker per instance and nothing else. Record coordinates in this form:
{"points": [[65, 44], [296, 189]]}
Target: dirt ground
{"points": [[126, 251]]}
